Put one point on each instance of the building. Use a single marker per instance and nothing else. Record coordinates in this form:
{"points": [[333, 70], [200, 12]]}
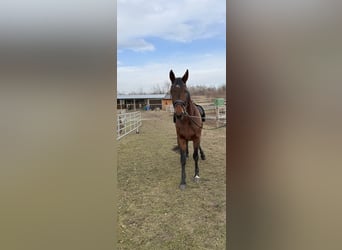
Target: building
{"points": [[146, 102], [166, 102]]}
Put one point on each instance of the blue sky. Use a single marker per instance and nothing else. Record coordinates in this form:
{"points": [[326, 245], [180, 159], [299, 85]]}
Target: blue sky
{"points": [[158, 35]]}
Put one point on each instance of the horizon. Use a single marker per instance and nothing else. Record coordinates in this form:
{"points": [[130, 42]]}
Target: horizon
{"points": [[166, 91]]}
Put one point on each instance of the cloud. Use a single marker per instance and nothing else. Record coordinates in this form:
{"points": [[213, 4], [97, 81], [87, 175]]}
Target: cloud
{"points": [[138, 45], [178, 20], [141, 22]]}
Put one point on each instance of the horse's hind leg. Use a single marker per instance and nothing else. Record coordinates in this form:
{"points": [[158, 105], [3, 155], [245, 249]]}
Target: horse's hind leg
{"points": [[202, 153], [195, 156]]}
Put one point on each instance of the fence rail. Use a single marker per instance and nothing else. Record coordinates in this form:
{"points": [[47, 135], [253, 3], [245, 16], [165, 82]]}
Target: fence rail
{"points": [[127, 123], [216, 113]]}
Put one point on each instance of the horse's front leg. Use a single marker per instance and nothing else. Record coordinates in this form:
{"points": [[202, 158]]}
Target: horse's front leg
{"points": [[182, 146]]}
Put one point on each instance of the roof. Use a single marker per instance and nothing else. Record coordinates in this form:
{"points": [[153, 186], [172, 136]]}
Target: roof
{"points": [[150, 96]]}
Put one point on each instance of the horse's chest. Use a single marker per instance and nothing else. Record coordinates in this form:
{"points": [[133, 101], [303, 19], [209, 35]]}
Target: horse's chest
{"points": [[187, 133]]}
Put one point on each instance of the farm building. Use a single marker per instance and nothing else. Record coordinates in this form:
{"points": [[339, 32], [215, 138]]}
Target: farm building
{"points": [[166, 102], [147, 102]]}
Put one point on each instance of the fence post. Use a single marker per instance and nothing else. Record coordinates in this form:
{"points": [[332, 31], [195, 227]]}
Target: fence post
{"points": [[217, 116]]}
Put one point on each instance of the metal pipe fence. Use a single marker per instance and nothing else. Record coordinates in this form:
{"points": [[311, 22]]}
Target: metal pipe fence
{"points": [[216, 113], [127, 123]]}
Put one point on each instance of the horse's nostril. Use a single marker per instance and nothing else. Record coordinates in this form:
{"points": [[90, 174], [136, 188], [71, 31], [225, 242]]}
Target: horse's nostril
{"points": [[179, 116]]}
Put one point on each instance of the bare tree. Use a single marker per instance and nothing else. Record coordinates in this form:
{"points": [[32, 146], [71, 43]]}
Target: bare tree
{"points": [[200, 90], [208, 91], [156, 89], [166, 87]]}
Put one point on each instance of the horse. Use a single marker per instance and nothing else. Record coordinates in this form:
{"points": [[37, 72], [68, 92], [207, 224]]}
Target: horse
{"points": [[188, 123]]}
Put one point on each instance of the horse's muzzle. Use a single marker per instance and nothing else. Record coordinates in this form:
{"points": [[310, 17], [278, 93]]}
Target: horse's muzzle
{"points": [[179, 116], [179, 106]]}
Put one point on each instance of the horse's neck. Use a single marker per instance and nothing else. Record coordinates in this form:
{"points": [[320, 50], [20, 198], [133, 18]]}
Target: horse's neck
{"points": [[190, 107]]}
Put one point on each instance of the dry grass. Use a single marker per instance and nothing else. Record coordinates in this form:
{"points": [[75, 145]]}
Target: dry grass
{"points": [[153, 212]]}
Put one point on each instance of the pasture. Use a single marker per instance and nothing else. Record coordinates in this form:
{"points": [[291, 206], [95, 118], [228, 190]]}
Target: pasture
{"points": [[153, 212]]}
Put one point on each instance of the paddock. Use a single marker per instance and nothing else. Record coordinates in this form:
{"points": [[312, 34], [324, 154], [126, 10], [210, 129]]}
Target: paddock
{"points": [[153, 212]]}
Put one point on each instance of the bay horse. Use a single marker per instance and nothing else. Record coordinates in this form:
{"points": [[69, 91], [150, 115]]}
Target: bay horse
{"points": [[188, 122]]}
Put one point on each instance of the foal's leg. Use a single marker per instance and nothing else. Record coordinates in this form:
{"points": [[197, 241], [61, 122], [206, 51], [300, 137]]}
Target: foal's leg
{"points": [[202, 153], [195, 156], [187, 149], [182, 145]]}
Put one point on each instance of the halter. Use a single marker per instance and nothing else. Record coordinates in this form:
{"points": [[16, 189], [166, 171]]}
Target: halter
{"points": [[181, 103]]}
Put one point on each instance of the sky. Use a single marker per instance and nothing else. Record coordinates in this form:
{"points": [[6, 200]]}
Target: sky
{"points": [[156, 36]]}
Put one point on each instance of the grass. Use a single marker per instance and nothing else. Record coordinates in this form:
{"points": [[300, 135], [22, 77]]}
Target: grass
{"points": [[153, 212]]}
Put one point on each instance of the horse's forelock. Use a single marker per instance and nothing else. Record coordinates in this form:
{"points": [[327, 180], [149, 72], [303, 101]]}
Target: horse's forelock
{"points": [[179, 82]]}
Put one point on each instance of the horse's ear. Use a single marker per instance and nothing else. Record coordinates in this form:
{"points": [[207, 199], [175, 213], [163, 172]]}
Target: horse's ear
{"points": [[185, 77], [172, 76]]}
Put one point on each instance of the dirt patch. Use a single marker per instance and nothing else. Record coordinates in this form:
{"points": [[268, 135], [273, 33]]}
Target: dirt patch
{"points": [[153, 212]]}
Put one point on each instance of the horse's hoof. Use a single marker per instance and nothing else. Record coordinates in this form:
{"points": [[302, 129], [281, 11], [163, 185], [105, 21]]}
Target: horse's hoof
{"points": [[203, 157], [182, 186], [196, 178]]}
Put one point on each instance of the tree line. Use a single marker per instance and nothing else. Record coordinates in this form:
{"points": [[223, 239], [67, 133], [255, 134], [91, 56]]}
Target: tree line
{"points": [[196, 90]]}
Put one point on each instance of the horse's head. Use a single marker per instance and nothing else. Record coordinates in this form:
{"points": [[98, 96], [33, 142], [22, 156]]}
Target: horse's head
{"points": [[179, 93]]}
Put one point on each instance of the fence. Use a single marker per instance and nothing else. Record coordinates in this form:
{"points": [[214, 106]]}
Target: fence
{"points": [[127, 123], [221, 115], [216, 113]]}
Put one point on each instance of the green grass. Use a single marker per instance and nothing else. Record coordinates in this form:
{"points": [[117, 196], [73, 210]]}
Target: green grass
{"points": [[153, 212]]}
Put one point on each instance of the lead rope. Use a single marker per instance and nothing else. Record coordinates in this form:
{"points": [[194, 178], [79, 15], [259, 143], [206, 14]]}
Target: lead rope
{"points": [[187, 114], [190, 116], [201, 127]]}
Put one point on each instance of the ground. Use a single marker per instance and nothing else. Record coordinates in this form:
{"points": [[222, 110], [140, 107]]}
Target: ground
{"points": [[153, 212]]}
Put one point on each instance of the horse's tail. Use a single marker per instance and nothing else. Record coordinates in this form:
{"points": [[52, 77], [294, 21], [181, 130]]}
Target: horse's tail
{"points": [[176, 148]]}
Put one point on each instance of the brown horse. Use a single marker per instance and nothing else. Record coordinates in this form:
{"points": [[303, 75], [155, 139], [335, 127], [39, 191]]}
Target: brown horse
{"points": [[188, 123]]}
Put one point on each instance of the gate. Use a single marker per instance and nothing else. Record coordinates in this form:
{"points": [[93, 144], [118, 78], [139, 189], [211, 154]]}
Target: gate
{"points": [[127, 123]]}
